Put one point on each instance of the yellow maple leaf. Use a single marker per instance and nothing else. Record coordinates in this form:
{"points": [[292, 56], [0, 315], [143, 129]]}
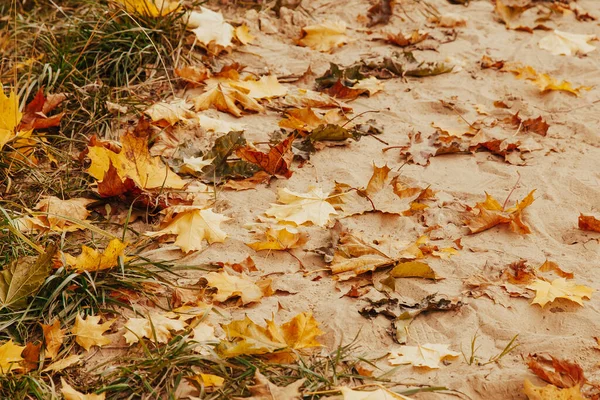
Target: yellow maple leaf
{"points": [[88, 332], [551, 392], [56, 211], [226, 98], [149, 8], [280, 238], [69, 393], [246, 337], [306, 120], [53, 338], [566, 43], [192, 225], [208, 380], [491, 213], [265, 88], [133, 162], [324, 37], [232, 286], [242, 33], [544, 81], [63, 363], [172, 112], [10, 357], [211, 30], [156, 327], [560, 288], [301, 208], [426, 355], [10, 116], [93, 260]]}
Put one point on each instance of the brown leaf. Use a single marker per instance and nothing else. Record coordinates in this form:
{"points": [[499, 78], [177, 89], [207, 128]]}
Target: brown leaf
{"points": [[341, 91], [589, 223], [535, 125], [491, 213], [487, 62], [193, 74], [402, 41], [248, 183], [565, 374], [35, 117], [276, 162], [53, 338], [380, 13], [31, 356], [263, 389], [551, 266]]}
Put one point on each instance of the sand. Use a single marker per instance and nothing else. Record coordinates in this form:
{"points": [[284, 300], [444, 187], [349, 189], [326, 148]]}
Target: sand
{"points": [[564, 171]]}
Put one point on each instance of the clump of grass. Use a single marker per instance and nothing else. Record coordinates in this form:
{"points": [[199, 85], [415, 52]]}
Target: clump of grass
{"points": [[474, 359]]}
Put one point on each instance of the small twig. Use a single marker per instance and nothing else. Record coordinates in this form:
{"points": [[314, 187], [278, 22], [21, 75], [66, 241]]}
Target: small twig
{"points": [[511, 192]]}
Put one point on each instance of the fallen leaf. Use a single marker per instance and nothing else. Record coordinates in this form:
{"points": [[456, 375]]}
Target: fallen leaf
{"points": [[242, 33], [193, 165], [567, 44], [229, 286], [63, 363], [149, 8], [276, 162], [93, 260], [511, 14], [35, 117], [246, 337], [551, 392], [380, 12], [427, 355], [53, 338], [218, 125], [377, 394], [192, 225], [194, 74], [89, 331], [301, 208], [450, 20], [211, 30], [31, 356], [490, 213], [226, 98], [71, 394], [543, 81], [10, 117], [208, 380], [266, 87], [550, 266], [564, 374], [10, 357], [535, 125], [560, 288], [371, 85], [589, 223], [263, 389], [309, 98], [156, 328], [172, 112], [57, 211], [23, 277], [324, 37], [280, 238], [413, 269], [221, 166], [401, 40]]}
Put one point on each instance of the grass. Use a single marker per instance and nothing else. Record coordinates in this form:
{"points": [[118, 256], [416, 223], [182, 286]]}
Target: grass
{"points": [[473, 359]]}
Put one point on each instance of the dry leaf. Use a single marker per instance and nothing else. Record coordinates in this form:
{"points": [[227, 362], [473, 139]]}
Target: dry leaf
{"points": [[551, 392], [490, 213], [427, 355], [565, 43], [93, 260], [10, 357], [402, 41], [413, 269], [560, 288], [589, 223], [193, 165], [149, 8], [63, 363], [266, 87], [543, 81], [10, 117], [53, 338], [263, 389], [309, 98], [88, 332], [380, 12], [300, 208], [276, 162], [246, 337], [194, 74], [378, 394], [229, 286], [550, 266], [451, 20], [242, 33], [227, 99], [56, 211], [156, 328], [208, 380], [71, 394], [280, 238], [211, 30], [324, 37], [192, 225], [173, 112], [564, 374]]}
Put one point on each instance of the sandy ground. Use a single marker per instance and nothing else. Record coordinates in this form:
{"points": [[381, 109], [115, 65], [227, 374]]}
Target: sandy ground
{"points": [[565, 173]]}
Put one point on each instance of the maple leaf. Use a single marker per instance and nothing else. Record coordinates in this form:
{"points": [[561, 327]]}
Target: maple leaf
{"points": [[171, 113], [491, 213], [243, 35], [371, 85], [380, 12], [565, 373], [551, 392], [156, 327], [589, 223], [133, 163], [56, 211], [265, 88], [565, 43], [378, 394], [535, 125], [93, 260], [211, 30], [226, 98], [63, 363], [413, 269], [263, 389], [276, 162], [301, 208], [427, 355], [193, 165], [233, 286], [10, 357], [306, 120], [35, 117], [10, 117], [309, 98], [543, 81], [246, 337], [401, 40], [560, 288], [192, 225], [53, 338], [217, 125], [280, 238], [88, 332], [69, 393], [193, 74], [208, 380], [324, 37], [149, 8]]}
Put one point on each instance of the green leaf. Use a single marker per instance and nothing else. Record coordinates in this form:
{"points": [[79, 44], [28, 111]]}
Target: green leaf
{"points": [[23, 277]]}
